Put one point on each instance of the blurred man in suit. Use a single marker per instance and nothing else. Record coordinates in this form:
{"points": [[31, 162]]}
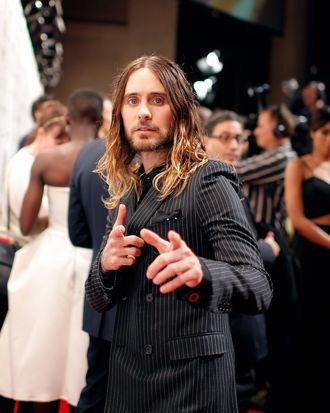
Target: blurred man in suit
{"points": [[87, 218], [172, 349], [225, 140]]}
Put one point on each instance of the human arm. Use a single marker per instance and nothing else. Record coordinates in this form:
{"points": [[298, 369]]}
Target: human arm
{"points": [[238, 278], [219, 253], [221, 269], [269, 249], [29, 221], [117, 252], [295, 207]]}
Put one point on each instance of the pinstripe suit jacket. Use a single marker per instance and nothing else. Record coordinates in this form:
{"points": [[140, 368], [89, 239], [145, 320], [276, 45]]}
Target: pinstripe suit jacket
{"points": [[172, 353]]}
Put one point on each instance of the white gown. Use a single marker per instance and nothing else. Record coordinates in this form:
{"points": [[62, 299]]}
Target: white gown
{"points": [[43, 349]]}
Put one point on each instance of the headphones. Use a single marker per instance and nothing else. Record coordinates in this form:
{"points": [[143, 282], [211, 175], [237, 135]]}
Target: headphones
{"points": [[280, 130]]}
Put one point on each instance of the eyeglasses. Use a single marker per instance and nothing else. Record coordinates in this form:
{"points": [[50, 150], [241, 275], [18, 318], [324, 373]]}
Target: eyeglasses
{"points": [[226, 138]]}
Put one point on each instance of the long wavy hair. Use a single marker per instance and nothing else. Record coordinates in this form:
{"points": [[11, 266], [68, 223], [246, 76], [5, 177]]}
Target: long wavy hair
{"points": [[119, 165]]}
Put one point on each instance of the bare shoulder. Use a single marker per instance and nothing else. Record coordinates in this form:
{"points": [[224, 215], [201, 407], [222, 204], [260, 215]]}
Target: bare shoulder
{"points": [[296, 163], [55, 164], [295, 169], [48, 157]]}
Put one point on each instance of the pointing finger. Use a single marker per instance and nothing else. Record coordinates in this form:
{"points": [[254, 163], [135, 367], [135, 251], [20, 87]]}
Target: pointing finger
{"points": [[118, 231], [175, 240], [155, 240], [121, 217]]}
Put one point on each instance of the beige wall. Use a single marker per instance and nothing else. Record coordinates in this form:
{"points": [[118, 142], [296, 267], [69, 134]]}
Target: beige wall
{"points": [[93, 53], [289, 53]]}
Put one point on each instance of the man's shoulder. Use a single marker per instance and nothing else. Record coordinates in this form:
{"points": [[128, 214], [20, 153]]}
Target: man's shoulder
{"points": [[216, 167], [88, 157], [93, 150], [215, 170]]}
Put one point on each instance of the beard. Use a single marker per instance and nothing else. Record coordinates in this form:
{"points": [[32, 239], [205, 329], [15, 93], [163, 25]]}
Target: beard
{"points": [[159, 139]]}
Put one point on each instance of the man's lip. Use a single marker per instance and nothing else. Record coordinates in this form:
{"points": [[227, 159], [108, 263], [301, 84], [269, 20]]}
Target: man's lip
{"points": [[145, 128], [232, 157]]}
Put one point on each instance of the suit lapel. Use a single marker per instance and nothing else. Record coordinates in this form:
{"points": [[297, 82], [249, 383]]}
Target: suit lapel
{"points": [[144, 211], [130, 201]]}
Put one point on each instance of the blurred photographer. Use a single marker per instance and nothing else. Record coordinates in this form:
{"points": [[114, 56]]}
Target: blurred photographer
{"points": [[262, 176]]}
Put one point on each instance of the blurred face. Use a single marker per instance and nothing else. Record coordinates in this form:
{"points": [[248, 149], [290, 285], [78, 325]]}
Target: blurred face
{"points": [[146, 113], [321, 141], [226, 142], [310, 95], [107, 114], [264, 132]]}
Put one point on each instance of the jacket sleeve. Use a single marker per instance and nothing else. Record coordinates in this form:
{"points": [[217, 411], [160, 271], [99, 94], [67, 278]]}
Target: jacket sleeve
{"points": [[79, 231], [99, 284], [234, 278]]}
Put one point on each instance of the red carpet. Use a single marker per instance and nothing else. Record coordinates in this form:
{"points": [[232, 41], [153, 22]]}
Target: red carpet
{"points": [[63, 407]]}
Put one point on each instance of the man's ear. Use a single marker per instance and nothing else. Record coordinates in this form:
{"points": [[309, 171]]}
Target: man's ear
{"points": [[100, 121], [205, 140]]}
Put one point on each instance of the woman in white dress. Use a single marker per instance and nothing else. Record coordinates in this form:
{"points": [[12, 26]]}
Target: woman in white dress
{"points": [[50, 131], [42, 345]]}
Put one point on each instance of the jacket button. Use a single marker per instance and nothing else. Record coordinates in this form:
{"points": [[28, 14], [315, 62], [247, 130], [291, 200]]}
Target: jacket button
{"points": [[149, 297], [148, 349], [193, 297]]}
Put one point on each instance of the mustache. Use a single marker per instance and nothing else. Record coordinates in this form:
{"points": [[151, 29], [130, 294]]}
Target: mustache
{"points": [[145, 125]]}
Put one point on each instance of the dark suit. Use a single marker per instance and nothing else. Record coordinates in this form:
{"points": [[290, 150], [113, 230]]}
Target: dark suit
{"points": [[174, 352], [87, 218]]}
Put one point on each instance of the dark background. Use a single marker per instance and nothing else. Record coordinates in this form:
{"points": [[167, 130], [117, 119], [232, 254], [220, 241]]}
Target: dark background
{"points": [[245, 47]]}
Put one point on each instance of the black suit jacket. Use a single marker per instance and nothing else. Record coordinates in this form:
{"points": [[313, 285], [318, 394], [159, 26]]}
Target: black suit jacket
{"points": [[174, 352], [87, 219]]}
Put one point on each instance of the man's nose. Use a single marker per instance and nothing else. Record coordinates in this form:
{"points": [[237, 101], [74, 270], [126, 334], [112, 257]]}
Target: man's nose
{"points": [[144, 112], [234, 143]]}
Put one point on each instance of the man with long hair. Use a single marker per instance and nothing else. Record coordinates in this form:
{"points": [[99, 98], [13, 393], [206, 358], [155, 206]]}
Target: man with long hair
{"points": [[178, 254]]}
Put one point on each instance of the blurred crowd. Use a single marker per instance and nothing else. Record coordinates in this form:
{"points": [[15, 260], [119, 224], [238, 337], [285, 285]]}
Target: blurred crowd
{"points": [[283, 163]]}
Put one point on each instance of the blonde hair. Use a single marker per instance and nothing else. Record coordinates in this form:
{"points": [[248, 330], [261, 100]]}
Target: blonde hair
{"points": [[118, 165]]}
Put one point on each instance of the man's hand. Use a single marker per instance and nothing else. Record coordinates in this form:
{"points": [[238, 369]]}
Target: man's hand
{"points": [[175, 260], [120, 250], [270, 239]]}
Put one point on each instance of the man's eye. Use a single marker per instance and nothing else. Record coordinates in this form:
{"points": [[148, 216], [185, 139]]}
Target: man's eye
{"points": [[132, 101], [158, 100], [225, 138]]}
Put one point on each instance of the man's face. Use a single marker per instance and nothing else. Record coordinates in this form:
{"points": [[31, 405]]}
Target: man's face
{"points": [[310, 95], [264, 132], [146, 112], [226, 142], [107, 114]]}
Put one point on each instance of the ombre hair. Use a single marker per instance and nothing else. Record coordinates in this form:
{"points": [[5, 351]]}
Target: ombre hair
{"points": [[53, 112], [119, 166]]}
